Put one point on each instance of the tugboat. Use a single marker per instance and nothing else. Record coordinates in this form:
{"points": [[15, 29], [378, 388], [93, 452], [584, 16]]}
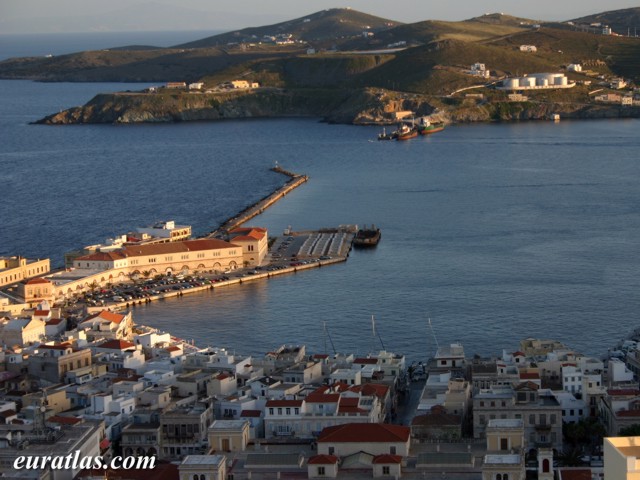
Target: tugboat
{"points": [[405, 132], [367, 237]]}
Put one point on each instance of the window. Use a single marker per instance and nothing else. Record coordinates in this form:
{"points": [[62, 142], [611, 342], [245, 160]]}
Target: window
{"points": [[296, 410], [279, 411], [321, 471], [481, 403], [392, 450], [386, 470], [332, 450], [532, 419], [271, 411], [552, 419], [288, 411]]}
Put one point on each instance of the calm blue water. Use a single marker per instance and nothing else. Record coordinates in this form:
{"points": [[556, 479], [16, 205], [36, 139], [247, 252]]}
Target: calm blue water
{"points": [[495, 232]]}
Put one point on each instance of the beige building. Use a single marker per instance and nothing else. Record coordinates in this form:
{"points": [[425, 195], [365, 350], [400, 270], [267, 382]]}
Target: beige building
{"points": [[229, 435], [36, 290], [21, 331], [16, 269], [323, 466], [372, 438], [254, 243], [53, 362], [505, 451], [119, 265], [108, 325], [622, 458], [203, 467]]}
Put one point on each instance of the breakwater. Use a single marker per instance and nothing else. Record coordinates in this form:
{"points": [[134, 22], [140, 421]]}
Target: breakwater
{"points": [[261, 205]]}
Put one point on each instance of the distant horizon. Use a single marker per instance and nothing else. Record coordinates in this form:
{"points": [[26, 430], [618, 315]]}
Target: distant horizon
{"points": [[31, 17]]}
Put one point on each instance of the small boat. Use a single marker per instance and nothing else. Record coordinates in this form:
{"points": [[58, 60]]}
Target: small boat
{"points": [[386, 136], [426, 127], [405, 132], [367, 237]]}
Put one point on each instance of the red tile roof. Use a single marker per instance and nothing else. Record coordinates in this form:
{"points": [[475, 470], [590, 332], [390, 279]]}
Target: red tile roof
{"points": [[41, 313], [223, 376], [529, 375], [106, 315], [284, 403], [628, 413], [34, 281], [518, 354], [64, 420], [323, 460], [366, 361], [370, 389], [323, 398], [176, 247], [575, 474], [173, 348], [628, 392], [116, 345], [387, 459], [247, 233], [54, 321], [102, 256], [365, 433]]}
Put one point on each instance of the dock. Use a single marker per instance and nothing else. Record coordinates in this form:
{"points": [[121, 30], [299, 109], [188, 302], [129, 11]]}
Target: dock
{"points": [[292, 252], [261, 205]]}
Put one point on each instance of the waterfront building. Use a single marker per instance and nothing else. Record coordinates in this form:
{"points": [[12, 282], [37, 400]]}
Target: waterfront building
{"points": [[162, 232], [254, 243], [17, 269], [618, 375], [622, 458]]}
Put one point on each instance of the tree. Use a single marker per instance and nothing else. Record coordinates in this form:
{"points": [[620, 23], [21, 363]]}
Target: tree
{"points": [[630, 431]]}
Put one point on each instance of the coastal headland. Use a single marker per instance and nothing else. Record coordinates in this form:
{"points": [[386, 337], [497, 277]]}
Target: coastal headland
{"points": [[479, 70]]}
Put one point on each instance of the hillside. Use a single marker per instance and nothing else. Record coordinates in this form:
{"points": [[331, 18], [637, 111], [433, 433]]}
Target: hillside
{"points": [[620, 21], [327, 25]]}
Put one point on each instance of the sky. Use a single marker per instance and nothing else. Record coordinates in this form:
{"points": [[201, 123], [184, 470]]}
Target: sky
{"points": [[52, 16]]}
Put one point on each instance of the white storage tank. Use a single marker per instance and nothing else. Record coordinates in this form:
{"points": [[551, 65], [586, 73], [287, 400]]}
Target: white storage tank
{"points": [[512, 83]]}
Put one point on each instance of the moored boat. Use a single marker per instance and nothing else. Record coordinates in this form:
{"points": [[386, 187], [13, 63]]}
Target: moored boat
{"points": [[386, 136], [405, 132], [425, 127], [367, 237]]}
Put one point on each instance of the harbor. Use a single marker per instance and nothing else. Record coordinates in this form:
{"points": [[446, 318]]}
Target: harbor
{"points": [[260, 206]]}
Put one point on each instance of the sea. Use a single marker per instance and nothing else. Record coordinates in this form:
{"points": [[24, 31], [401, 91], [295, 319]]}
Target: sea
{"points": [[491, 233]]}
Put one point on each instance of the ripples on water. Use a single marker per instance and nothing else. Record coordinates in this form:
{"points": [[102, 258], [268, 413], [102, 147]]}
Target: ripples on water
{"points": [[495, 232]]}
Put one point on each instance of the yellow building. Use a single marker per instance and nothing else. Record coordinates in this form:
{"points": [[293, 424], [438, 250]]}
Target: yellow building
{"points": [[16, 269], [36, 290], [622, 458], [254, 243], [185, 257]]}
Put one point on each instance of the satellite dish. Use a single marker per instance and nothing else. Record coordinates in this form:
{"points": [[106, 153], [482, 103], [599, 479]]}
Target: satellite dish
{"points": [[43, 409]]}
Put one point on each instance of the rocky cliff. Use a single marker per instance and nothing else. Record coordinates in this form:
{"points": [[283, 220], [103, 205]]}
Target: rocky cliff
{"points": [[360, 106]]}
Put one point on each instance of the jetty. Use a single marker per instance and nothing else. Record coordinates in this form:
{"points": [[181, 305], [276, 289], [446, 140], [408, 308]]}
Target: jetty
{"points": [[260, 206]]}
